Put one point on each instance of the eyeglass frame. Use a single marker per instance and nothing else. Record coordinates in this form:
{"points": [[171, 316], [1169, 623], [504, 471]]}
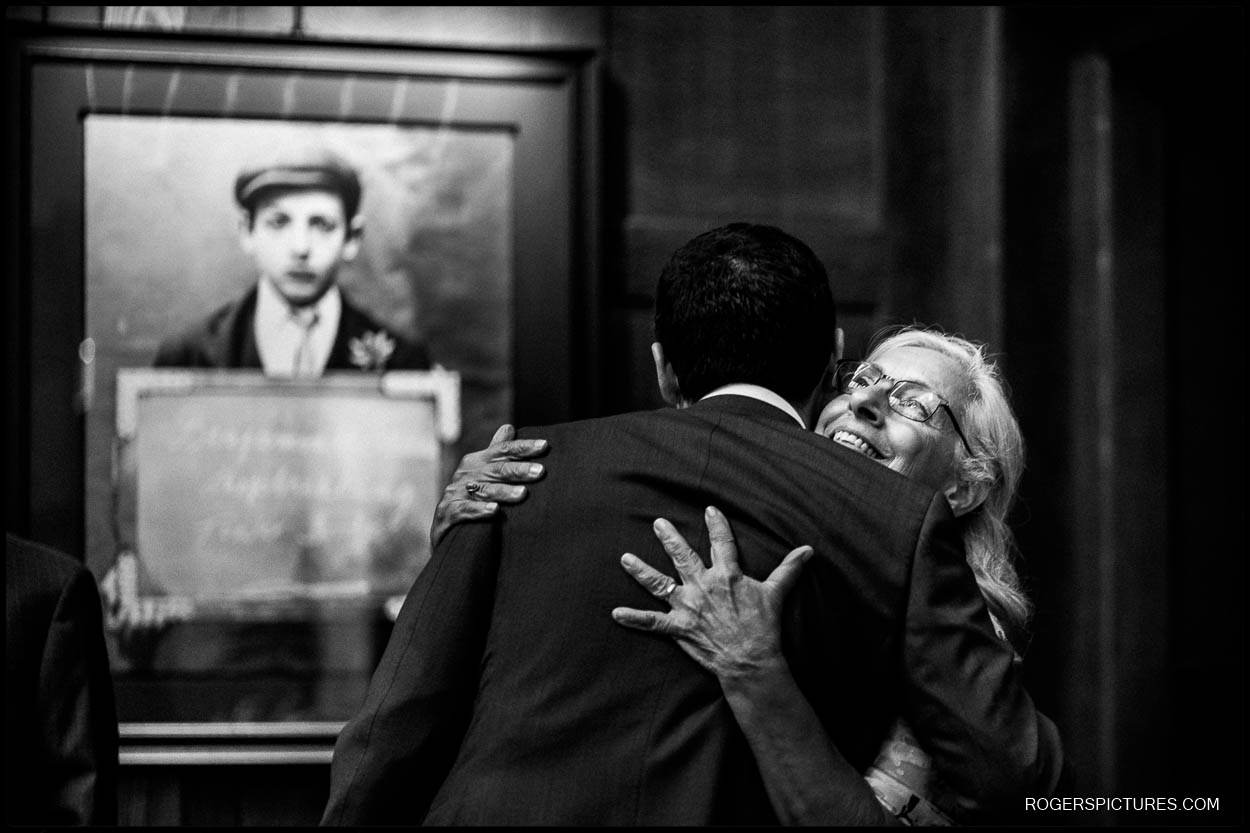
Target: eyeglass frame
{"points": [[890, 398]]}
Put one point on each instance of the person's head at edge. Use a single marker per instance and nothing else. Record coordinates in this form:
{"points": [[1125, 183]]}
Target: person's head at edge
{"points": [[299, 221], [980, 479], [743, 303]]}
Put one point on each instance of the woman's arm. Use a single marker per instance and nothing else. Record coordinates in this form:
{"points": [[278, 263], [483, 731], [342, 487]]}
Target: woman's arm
{"points": [[484, 479], [808, 780], [729, 624]]}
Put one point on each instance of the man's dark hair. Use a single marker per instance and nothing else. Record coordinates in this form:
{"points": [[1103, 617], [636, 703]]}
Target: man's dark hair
{"points": [[745, 303]]}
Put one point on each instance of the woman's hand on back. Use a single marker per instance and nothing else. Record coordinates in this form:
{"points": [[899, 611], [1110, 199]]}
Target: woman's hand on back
{"points": [[726, 621], [487, 478]]}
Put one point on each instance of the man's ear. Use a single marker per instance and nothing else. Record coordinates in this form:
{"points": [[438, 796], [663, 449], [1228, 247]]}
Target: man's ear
{"points": [[355, 231], [964, 497], [839, 346], [670, 388]]}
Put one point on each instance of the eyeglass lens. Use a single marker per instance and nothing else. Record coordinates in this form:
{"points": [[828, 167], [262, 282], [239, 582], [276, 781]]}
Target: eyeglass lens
{"points": [[908, 399]]}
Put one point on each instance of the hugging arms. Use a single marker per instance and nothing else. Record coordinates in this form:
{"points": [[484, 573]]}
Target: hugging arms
{"points": [[925, 404]]}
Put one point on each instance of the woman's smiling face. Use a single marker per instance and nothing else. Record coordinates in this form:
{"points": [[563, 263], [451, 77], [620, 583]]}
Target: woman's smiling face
{"points": [[863, 421]]}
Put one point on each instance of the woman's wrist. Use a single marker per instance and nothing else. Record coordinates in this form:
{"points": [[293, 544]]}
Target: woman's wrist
{"points": [[756, 681]]}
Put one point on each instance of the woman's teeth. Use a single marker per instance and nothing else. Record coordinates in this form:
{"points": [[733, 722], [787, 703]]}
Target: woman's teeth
{"points": [[851, 441]]}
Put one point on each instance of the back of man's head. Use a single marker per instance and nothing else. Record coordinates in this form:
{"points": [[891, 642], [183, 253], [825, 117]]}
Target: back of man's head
{"points": [[745, 303]]}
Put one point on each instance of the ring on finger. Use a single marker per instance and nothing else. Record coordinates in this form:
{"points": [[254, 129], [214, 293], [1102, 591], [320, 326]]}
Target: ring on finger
{"points": [[667, 589], [473, 488]]}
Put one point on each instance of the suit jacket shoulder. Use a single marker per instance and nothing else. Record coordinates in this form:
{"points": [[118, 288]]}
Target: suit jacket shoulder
{"points": [[60, 716], [224, 338]]}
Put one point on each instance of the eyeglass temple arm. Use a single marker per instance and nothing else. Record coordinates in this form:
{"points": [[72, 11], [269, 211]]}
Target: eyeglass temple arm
{"points": [[958, 430]]}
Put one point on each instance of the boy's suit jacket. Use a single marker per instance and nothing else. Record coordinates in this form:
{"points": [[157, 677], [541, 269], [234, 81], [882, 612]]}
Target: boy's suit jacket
{"points": [[227, 339], [60, 718]]}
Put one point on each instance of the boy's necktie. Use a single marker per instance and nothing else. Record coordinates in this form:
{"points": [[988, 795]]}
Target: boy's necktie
{"points": [[305, 364]]}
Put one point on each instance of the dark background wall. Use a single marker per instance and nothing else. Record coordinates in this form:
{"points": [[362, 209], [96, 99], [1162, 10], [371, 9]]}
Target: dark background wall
{"points": [[1065, 184]]}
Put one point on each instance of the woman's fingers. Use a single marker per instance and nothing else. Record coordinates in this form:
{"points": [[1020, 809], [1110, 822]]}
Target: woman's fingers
{"points": [[506, 471], [482, 491], [724, 549], [503, 446], [686, 560], [487, 478], [491, 482], [643, 620], [655, 583], [503, 460], [452, 510], [472, 510], [503, 433], [651, 579], [786, 574], [497, 462], [514, 472], [517, 450]]}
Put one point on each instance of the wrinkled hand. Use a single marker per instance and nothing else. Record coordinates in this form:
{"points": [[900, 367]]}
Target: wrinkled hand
{"points": [[484, 479], [726, 621]]}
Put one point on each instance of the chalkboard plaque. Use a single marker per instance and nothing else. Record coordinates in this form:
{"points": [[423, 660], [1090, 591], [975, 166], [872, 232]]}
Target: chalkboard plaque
{"points": [[255, 498]]}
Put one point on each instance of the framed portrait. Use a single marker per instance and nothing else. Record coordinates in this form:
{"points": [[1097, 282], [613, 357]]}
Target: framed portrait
{"points": [[163, 249], [479, 206]]}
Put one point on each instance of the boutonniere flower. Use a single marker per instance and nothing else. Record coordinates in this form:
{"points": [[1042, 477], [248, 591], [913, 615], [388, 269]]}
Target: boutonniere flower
{"points": [[371, 350]]}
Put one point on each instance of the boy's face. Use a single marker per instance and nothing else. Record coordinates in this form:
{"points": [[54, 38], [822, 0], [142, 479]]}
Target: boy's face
{"points": [[298, 238]]}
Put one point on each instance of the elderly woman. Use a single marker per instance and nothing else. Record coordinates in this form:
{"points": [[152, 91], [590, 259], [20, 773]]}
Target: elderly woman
{"points": [[925, 404]]}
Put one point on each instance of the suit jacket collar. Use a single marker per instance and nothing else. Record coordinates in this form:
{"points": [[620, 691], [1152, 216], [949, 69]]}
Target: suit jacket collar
{"points": [[352, 324], [761, 393], [746, 406], [235, 344]]}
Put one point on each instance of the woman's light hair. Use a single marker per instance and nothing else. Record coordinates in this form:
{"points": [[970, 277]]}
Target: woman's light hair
{"points": [[989, 423]]}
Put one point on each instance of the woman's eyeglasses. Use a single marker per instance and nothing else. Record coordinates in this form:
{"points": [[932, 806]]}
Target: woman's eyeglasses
{"points": [[911, 400]]}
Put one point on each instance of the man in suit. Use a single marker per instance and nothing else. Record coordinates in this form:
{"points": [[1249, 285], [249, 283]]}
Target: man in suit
{"points": [[60, 721], [299, 222], [509, 695]]}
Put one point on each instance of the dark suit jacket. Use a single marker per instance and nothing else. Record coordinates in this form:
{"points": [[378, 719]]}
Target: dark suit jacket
{"points": [[60, 721], [508, 694], [227, 339]]}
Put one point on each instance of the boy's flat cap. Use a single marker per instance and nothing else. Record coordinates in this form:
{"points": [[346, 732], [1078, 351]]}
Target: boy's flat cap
{"points": [[299, 168]]}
